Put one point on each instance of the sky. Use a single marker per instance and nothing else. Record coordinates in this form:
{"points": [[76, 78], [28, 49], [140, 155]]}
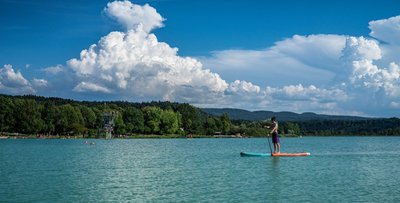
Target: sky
{"points": [[329, 57]]}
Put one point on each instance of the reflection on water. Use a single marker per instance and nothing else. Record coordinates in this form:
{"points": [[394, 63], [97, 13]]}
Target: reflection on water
{"points": [[340, 169], [275, 161], [276, 179]]}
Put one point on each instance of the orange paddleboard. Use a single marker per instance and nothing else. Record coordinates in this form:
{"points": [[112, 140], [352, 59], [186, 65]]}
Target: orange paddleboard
{"points": [[292, 154]]}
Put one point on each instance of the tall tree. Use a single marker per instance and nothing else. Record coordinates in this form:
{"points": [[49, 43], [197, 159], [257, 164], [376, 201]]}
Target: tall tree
{"points": [[89, 117], [6, 114], [133, 119], [152, 117], [27, 116], [120, 127], [169, 122], [210, 126], [49, 115], [191, 118], [70, 120], [226, 123]]}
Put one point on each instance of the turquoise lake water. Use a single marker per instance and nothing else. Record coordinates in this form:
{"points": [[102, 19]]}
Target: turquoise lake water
{"points": [[340, 169]]}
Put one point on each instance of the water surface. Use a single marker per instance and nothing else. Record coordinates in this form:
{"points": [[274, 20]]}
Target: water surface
{"points": [[350, 169]]}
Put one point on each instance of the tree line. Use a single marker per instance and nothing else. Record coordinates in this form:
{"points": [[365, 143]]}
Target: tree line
{"points": [[376, 126], [33, 115], [54, 116]]}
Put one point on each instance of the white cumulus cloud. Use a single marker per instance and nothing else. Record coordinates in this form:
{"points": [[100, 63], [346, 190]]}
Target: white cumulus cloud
{"points": [[13, 82], [362, 54], [135, 64], [360, 48], [243, 86], [301, 98], [387, 30], [133, 16]]}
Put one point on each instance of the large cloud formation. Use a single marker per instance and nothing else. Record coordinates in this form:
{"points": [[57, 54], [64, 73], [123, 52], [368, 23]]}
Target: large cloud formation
{"points": [[333, 74], [134, 63], [355, 75]]}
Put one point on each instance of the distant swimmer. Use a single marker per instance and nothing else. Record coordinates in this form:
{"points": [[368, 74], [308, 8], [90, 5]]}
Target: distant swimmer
{"points": [[90, 143]]}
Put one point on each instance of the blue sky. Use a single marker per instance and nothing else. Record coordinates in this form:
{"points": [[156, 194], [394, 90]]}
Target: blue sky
{"points": [[319, 56]]}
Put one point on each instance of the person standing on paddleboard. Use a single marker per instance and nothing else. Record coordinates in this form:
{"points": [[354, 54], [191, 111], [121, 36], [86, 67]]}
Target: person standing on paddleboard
{"points": [[275, 136]]}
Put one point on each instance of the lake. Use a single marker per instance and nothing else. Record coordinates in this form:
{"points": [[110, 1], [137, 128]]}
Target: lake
{"points": [[340, 169]]}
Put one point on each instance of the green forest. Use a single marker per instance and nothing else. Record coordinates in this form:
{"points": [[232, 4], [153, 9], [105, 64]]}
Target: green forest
{"points": [[55, 117], [34, 115]]}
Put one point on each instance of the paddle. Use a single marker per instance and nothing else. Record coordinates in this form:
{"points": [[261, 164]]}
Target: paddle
{"points": [[270, 149]]}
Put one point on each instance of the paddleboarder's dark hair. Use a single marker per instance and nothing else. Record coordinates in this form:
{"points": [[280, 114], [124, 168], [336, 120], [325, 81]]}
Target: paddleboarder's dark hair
{"points": [[273, 118]]}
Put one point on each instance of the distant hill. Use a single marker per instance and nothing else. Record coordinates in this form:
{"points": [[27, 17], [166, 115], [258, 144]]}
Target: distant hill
{"points": [[240, 114]]}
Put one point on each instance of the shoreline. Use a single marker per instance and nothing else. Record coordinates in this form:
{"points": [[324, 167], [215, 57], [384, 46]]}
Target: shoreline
{"points": [[5, 137]]}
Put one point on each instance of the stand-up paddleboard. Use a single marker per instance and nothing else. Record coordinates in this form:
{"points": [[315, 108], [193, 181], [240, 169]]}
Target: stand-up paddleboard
{"points": [[292, 154], [274, 154], [253, 154]]}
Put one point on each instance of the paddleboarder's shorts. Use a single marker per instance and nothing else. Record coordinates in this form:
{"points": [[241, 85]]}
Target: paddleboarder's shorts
{"points": [[275, 138]]}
